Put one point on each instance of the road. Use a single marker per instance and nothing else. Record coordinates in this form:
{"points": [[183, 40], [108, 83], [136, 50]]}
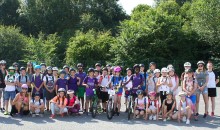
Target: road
{"points": [[84, 122]]}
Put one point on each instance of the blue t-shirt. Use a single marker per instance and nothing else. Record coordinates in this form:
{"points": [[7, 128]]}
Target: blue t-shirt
{"points": [[115, 82]]}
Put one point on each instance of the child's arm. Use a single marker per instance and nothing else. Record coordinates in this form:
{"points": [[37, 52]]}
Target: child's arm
{"points": [[170, 83], [15, 100], [79, 80]]}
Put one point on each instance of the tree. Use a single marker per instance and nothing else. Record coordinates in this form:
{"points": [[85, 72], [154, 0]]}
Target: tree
{"points": [[12, 44]]}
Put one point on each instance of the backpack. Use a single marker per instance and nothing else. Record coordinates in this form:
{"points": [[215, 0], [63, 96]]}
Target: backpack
{"points": [[145, 105], [19, 78], [34, 101], [47, 79], [9, 77], [155, 103], [41, 77]]}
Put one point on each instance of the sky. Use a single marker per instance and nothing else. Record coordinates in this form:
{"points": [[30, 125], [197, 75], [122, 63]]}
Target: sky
{"points": [[128, 5]]}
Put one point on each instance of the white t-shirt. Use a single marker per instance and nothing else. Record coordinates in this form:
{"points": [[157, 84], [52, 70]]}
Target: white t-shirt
{"points": [[151, 84], [129, 84], [37, 103], [212, 78], [140, 102], [164, 87], [11, 79], [51, 82], [105, 81]]}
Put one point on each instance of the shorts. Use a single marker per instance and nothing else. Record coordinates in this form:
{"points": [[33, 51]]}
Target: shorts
{"points": [[212, 92], [127, 93], [98, 92], [49, 95], [205, 91], [192, 98], [1, 92], [89, 97], [14, 111], [75, 109], [9, 95], [81, 91], [104, 97]]}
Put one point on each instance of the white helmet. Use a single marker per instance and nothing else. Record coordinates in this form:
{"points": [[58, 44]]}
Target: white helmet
{"points": [[200, 62], [171, 69], [187, 64], [156, 71], [55, 69], [164, 69], [170, 66]]}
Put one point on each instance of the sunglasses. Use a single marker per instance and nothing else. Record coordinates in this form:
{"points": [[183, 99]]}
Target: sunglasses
{"points": [[200, 66]]}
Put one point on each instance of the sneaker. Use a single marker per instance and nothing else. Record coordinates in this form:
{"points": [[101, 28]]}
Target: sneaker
{"points": [[150, 117], [52, 116], [164, 120], [205, 115], [41, 115], [187, 121], [1, 109], [37, 114], [212, 114], [154, 117], [6, 113], [168, 119], [33, 115], [184, 119]]}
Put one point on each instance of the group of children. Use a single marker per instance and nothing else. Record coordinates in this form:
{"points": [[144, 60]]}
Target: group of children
{"points": [[154, 91]]}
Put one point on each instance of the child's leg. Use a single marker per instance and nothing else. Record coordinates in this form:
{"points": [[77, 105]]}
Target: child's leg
{"points": [[87, 105], [142, 113], [164, 112], [197, 102], [188, 112], [175, 116], [136, 112], [18, 106], [47, 104], [32, 109], [119, 103], [52, 107], [115, 101], [213, 103]]}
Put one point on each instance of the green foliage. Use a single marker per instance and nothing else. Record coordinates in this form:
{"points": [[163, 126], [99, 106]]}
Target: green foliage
{"points": [[89, 48], [12, 44]]}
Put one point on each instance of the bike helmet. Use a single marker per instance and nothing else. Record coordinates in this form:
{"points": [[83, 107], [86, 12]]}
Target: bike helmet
{"points": [[164, 70], [96, 70], [22, 68], [150, 71], [49, 68], [63, 72], [189, 71], [37, 67], [152, 93], [15, 64], [37, 94], [42, 64], [61, 90], [79, 65], [11, 68], [170, 93], [136, 66], [72, 69], [108, 65], [105, 69], [3, 62], [139, 92], [66, 66], [187, 64], [70, 92], [170, 66], [171, 69], [200, 62], [24, 86], [55, 69], [129, 69], [152, 63], [141, 65], [91, 70], [29, 63], [98, 64], [117, 69], [156, 71]]}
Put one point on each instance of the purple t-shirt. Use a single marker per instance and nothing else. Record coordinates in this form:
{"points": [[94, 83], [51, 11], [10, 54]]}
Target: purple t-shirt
{"points": [[82, 76], [72, 84], [138, 79], [91, 82], [61, 83], [37, 80]]}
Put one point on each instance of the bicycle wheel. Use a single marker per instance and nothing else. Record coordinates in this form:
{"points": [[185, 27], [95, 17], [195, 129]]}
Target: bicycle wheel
{"points": [[94, 110], [109, 111], [129, 110]]}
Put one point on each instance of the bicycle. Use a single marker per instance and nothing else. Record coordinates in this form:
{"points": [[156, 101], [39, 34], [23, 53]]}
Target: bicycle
{"points": [[130, 102], [94, 104], [110, 105]]}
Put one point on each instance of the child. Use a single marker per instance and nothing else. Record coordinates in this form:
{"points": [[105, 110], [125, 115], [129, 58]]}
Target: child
{"points": [[152, 106], [9, 94], [62, 82], [91, 83], [168, 106], [73, 81], [49, 84], [20, 104], [37, 81], [3, 73], [175, 82], [37, 105], [164, 84], [184, 109], [104, 81], [127, 83], [22, 79], [151, 87], [155, 79], [189, 87], [73, 105], [213, 80], [116, 83], [58, 103], [141, 103]]}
